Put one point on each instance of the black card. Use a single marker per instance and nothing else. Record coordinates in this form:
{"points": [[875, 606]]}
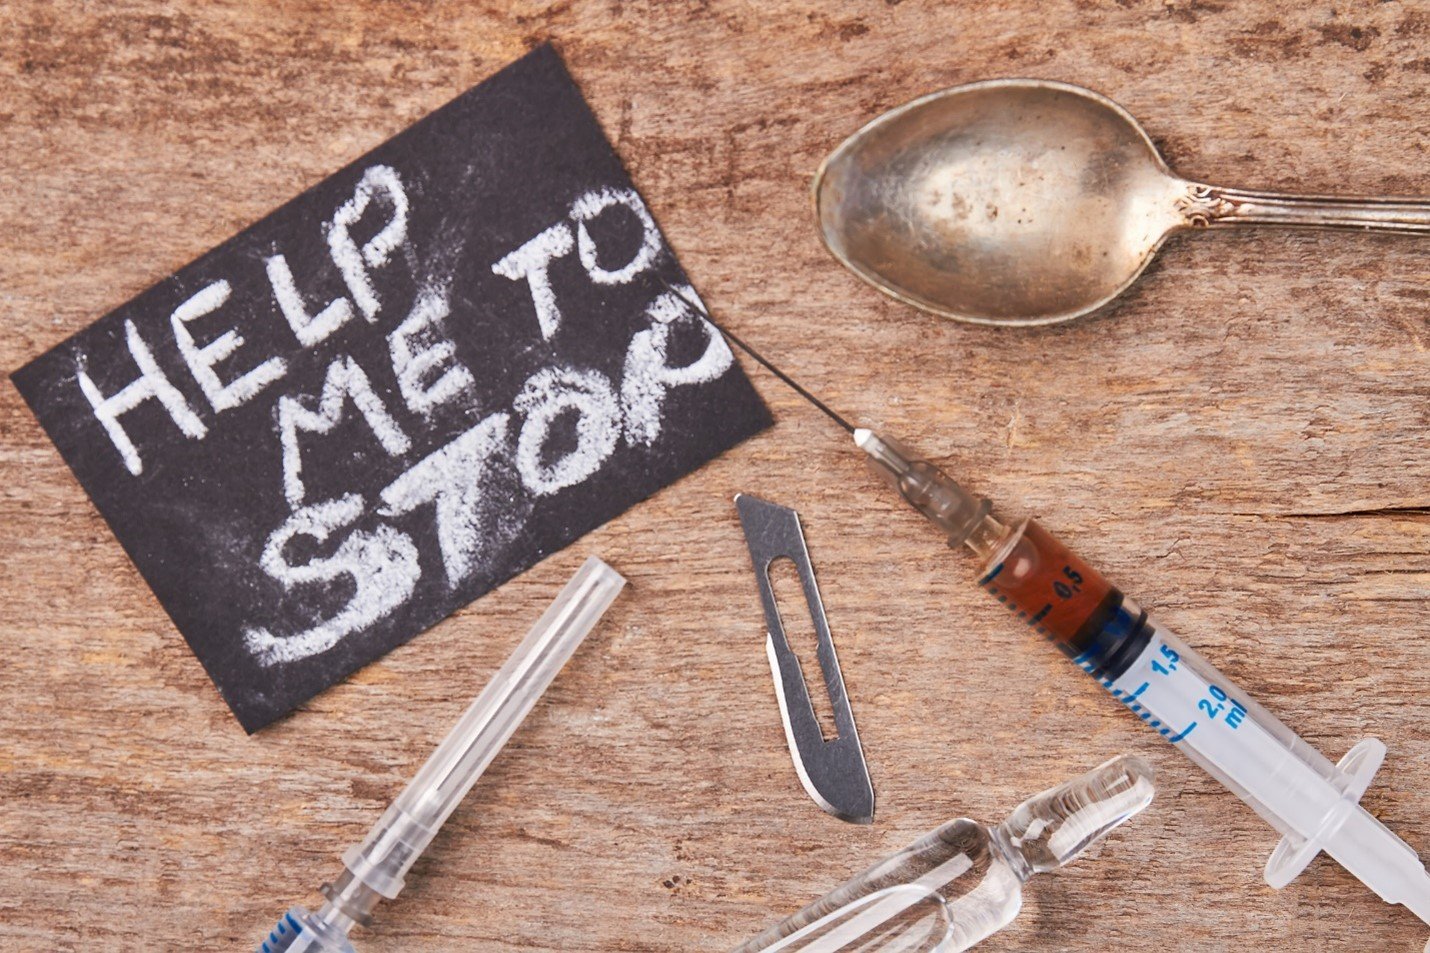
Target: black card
{"points": [[399, 390]]}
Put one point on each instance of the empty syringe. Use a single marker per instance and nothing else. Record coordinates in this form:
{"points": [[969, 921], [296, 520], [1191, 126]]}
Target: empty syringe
{"points": [[376, 869]]}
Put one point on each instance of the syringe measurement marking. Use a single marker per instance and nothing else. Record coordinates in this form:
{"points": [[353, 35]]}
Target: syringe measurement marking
{"points": [[1233, 717], [1129, 698], [1171, 658], [1163, 661], [1065, 587], [1034, 621]]}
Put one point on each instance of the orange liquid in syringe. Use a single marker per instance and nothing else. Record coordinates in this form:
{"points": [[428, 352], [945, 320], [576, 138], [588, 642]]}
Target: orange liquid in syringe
{"points": [[1065, 600]]}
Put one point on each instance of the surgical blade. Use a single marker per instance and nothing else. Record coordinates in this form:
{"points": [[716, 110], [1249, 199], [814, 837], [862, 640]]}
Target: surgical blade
{"points": [[832, 770]]}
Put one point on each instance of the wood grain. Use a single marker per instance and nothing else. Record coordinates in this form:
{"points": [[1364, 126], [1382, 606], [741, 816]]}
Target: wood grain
{"points": [[1240, 443]]}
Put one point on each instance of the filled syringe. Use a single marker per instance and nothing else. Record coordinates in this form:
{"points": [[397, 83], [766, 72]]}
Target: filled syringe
{"points": [[1313, 803]]}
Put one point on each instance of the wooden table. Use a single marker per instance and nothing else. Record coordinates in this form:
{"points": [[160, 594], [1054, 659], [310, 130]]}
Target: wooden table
{"points": [[1240, 442]]}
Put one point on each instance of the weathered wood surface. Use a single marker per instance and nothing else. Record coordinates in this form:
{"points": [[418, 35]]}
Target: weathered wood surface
{"points": [[1240, 442]]}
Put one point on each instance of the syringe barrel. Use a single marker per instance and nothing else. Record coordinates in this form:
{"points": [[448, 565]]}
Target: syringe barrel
{"points": [[1165, 683]]}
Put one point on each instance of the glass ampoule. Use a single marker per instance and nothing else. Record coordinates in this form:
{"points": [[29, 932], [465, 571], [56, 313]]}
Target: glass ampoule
{"points": [[962, 882]]}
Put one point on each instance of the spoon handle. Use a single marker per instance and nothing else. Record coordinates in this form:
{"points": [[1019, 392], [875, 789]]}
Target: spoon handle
{"points": [[1208, 206]]}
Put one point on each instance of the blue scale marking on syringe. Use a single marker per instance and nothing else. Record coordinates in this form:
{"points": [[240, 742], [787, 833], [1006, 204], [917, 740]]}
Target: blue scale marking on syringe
{"points": [[1084, 662], [1032, 621]]}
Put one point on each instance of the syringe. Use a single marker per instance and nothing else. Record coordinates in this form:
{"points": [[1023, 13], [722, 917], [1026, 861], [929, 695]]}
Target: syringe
{"points": [[1313, 803], [376, 869]]}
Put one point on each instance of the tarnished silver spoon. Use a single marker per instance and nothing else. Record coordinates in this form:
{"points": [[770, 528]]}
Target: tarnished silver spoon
{"points": [[1030, 202]]}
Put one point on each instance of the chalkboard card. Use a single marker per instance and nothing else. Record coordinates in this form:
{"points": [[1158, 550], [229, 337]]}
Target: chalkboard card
{"points": [[405, 386]]}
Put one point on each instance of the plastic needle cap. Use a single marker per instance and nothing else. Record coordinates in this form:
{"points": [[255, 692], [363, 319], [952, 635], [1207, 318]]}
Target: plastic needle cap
{"points": [[376, 868]]}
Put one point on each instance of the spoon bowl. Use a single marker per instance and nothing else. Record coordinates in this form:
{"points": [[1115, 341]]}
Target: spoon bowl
{"points": [[1030, 202]]}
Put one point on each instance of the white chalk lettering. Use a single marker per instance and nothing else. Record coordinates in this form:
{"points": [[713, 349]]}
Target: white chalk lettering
{"points": [[549, 394], [420, 353], [532, 261], [150, 383], [647, 377], [201, 360], [355, 262], [592, 204], [344, 379], [309, 329], [453, 479], [382, 565]]}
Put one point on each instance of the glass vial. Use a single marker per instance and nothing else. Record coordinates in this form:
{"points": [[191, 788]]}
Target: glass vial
{"points": [[957, 885]]}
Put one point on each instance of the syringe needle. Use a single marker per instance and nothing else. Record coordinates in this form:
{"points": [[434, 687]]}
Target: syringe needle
{"points": [[704, 313]]}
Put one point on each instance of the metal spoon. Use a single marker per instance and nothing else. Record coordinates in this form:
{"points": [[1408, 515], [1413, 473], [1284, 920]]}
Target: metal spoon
{"points": [[1029, 202]]}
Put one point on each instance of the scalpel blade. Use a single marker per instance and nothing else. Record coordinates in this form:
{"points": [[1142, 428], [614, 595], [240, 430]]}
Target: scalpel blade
{"points": [[832, 770]]}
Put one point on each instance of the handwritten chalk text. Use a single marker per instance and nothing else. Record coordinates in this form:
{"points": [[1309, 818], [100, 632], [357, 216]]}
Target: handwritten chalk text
{"points": [[480, 487]]}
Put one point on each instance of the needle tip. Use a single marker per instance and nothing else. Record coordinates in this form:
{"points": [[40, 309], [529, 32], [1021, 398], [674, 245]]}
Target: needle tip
{"points": [[705, 313]]}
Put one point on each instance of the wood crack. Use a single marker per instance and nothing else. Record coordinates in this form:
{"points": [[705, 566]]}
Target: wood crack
{"points": [[1372, 511]]}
